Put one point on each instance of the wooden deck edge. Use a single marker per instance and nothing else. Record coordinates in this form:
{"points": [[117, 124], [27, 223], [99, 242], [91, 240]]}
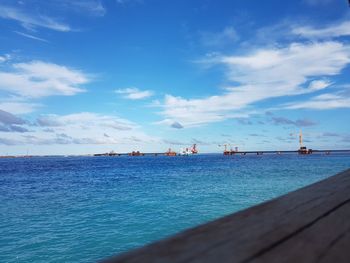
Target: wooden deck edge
{"points": [[261, 232]]}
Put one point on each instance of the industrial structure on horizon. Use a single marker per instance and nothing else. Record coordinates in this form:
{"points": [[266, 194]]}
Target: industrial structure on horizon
{"points": [[184, 152], [228, 150], [303, 149]]}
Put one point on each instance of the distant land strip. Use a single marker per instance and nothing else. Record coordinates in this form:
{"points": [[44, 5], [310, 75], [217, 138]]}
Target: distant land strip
{"points": [[258, 152]]}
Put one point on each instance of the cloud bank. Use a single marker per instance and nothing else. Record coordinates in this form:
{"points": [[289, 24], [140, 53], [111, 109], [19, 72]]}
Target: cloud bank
{"points": [[299, 68]]}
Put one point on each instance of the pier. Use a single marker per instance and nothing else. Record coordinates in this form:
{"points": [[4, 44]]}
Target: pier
{"points": [[282, 152], [311, 224], [257, 152]]}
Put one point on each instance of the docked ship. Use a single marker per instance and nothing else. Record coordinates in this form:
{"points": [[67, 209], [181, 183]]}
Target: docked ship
{"points": [[170, 153], [229, 152], [136, 153], [189, 151]]}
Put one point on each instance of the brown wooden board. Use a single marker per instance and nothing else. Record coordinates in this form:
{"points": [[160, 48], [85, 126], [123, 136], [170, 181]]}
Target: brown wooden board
{"points": [[311, 224]]}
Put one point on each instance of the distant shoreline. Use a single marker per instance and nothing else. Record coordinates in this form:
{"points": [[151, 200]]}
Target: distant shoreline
{"points": [[269, 152]]}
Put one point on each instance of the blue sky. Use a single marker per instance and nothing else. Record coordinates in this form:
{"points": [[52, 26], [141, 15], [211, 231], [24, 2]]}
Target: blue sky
{"points": [[79, 77]]}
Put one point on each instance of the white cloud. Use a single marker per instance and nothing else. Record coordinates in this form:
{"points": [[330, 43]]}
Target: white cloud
{"points": [[299, 122], [194, 112], [134, 93], [79, 128], [263, 74], [80, 7], [93, 7], [23, 83], [31, 36], [9, 119], [334, 30], [30, 21], [5, 57], [86, 120], [37, 79], [11, 123], [18, 107], [322, 102], [291, 65], [316, 85]]}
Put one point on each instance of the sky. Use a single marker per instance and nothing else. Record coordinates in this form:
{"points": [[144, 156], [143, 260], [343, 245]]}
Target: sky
{"points": [[92, 76]]}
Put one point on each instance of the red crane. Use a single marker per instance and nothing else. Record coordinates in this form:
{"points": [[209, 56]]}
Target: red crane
{"points": [[194, 149]]}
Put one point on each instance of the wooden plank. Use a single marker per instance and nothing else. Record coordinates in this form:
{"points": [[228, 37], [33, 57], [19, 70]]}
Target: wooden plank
{"points": [[276, 231], [336, 251], [315, 241]]}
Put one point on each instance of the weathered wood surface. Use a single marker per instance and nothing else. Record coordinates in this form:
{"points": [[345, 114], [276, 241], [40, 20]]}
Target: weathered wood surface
{"points": [[311, 224]]}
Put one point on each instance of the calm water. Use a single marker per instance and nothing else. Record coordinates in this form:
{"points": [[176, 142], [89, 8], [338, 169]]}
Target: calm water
{"points": [[84, 209]]}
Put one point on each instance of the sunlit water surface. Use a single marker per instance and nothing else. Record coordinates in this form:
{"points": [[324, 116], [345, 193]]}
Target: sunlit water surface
{"points": [[83, 209]]}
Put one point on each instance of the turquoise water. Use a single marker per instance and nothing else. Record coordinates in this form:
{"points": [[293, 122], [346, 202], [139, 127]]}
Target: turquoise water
{"points": [[82, 209]]}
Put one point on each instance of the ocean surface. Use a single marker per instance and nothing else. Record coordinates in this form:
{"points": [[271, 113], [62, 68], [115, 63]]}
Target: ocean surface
{"points": [[83, 209]]}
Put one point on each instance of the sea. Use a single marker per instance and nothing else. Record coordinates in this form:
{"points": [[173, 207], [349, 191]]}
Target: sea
{"points": [[84, 209]]}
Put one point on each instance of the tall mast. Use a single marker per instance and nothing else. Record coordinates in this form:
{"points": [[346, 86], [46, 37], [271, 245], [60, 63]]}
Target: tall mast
{"points": [[300, 139]]}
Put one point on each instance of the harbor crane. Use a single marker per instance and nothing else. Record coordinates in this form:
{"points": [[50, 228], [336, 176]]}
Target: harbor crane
{"points": [[303, 149], [225, 145]]}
